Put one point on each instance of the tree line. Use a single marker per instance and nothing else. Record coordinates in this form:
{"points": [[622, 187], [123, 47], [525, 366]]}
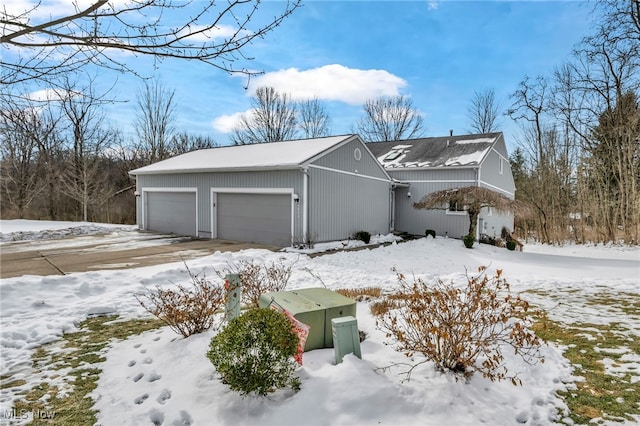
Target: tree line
{"points": [[62, 160], [576, 164], [578, 158]]}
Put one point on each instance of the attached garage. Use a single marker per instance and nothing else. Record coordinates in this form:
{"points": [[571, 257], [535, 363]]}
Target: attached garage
{"points": [[171, 211], [252, 217], [280, 193]]}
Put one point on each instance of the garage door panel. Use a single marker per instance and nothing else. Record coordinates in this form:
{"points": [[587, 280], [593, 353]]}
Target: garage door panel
{"points": [[171, 212], [259, 218]]}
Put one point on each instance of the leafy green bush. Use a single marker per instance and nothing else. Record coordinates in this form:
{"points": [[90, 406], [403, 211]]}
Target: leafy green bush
{"points": [[468, 240], [511, 245], [362, 236], [254, 352]]}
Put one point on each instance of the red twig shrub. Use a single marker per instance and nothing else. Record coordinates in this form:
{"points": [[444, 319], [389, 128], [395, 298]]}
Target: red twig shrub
{"points": [[462, 329], [186, 309]]}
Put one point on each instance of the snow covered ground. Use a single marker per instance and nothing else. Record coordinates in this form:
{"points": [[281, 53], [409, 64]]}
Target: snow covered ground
{"points": [[160, 378]]}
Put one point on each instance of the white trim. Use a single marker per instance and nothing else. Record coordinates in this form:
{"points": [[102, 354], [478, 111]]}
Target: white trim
{"points": [[353, 138], [441, 181], [430, 168], [338, 145], [499, 154], [328, 169], [495, 187], [166, 189], [455, 212], [263, 191], [254, 190]]}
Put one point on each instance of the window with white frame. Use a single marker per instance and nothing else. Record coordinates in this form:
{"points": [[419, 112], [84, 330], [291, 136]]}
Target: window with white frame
{"points": [[454, 207], [501, 167]]}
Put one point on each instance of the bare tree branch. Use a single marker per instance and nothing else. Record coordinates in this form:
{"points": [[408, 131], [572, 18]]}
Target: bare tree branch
{"points": [[390, 119], [100, 34], [483, 112]]}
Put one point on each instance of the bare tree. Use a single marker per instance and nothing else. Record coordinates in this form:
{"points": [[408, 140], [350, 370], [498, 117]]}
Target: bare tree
{"points": [[483, 112], [272, 118], [154, 122], [313, 118], [30, 133], [40, 46], [389, 119], [84, 179], [184, 142], [19, 179]]}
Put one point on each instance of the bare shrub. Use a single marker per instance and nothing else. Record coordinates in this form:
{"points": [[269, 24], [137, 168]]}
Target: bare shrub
{"points": [[186, 310], [462, 329], [384, 305], [361, 294], [259, 278]]}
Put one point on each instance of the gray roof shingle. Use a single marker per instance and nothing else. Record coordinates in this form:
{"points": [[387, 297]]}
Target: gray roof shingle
{"points": [[447, 151]]}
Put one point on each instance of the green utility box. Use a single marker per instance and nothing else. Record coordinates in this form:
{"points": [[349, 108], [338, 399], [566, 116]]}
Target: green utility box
{"points": [[315, 307], [346, 338]]}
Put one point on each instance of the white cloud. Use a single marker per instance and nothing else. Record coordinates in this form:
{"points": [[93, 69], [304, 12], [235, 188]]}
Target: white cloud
{"points": [[47, 95], [332, 82], [226, 123], [432, 5]]}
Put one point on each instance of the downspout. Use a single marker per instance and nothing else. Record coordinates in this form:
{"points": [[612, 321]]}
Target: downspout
{"points": [[392, 204], [305, 204], [478, 185]]}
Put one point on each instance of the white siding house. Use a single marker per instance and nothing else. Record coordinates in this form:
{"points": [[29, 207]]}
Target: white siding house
{"points": [[422, 166]]}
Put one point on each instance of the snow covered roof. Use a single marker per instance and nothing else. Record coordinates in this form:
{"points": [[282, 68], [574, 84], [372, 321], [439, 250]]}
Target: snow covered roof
{"points": [[448, 151], [274, 155]]}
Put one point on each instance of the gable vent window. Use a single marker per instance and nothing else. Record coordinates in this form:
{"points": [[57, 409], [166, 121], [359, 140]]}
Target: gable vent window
{"points": [[501, 165]]}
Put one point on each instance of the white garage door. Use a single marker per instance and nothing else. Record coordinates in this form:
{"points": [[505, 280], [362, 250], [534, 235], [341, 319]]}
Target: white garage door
{"points": [[255, 218], [171, 212]]}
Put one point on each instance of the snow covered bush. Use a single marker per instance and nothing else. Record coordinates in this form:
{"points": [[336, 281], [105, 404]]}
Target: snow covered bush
{"points": [[254, 353], [187, 309], [462, 330], [259, 278]]}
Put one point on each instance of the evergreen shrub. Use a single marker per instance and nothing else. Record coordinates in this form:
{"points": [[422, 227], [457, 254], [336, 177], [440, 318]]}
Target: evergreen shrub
{"points": [[362, 236], [254, 353]]}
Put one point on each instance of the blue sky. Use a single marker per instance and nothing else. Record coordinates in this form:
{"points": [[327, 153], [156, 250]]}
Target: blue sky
{"points": [[344, 52]]}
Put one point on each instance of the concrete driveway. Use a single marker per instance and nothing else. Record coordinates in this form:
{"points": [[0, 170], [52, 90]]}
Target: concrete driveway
{"points": [[117, 250]]}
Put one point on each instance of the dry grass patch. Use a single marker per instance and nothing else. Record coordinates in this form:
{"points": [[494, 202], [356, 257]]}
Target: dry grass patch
{"points": [[361, 294], [600, 354], [67, 402]]}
